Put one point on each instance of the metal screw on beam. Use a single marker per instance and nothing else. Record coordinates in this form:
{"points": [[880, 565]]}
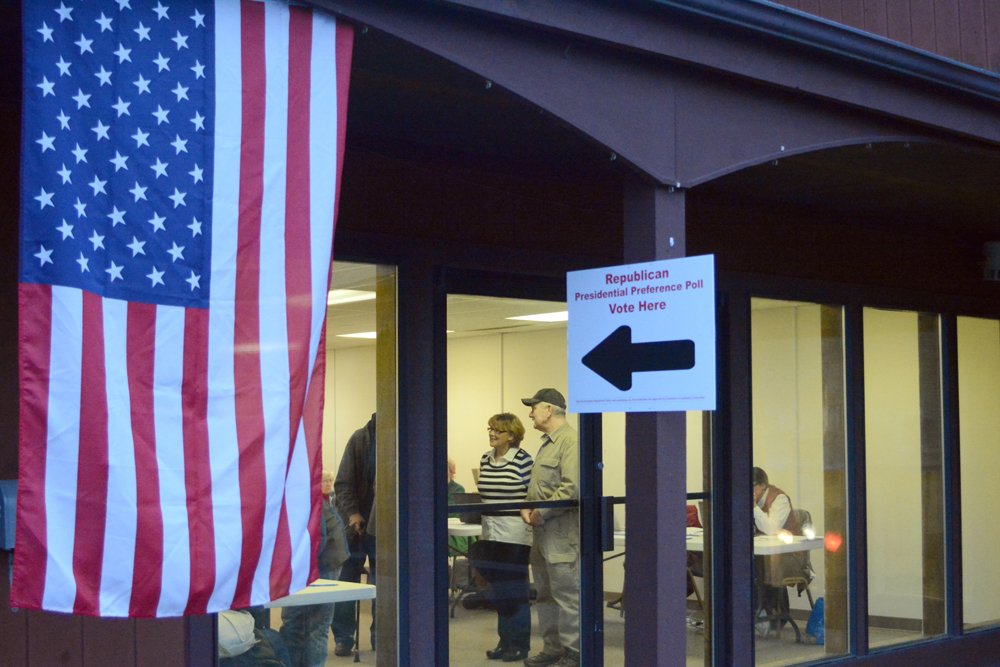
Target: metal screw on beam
{"points": [[614, 157], [775, 163], [489, 84], [364, 30], [782, 149]]}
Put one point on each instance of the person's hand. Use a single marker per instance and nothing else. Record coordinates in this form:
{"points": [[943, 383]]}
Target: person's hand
{"points": [[526, 516], [535, 519], [357, 523]]}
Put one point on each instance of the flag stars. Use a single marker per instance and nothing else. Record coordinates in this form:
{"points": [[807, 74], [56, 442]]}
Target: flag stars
{"points": [[178, 198], [142, 31], [177, 252], [199, 70], [140, 193], [161, 11], [44, 199], [157, 222], [114, 271], [161, 62], [65, 229], [98, 186], [101, 130], [84, 45], [122, 108], [195, 227], [119, 161], [48, 87], [140, 138], [199, 121], [124, 4], [84, 263], [117, 217], [160, 168], [181, 92], [97, 240], [136, 247], [156, 277], [104, 22], [142, 84], [80, 154], [180, 40], [44, 255], [196, 174], [64, 12], [199, 19], [194, 281], [81, 99], [180, 145], [46, 32], [161, 114], [63, 67], [65, 174], [123, 53], [46, 142], [104, 76], [63, 120], [81, 208]]}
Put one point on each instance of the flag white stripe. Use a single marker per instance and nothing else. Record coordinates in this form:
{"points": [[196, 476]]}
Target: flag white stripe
{"points": [[168, 375], [63, 447], [121, 513], [298, 494], [273, 332], [223, 450]]}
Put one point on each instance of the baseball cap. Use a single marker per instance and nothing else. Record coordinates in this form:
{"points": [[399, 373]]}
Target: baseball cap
{"points": [[547, 395]]}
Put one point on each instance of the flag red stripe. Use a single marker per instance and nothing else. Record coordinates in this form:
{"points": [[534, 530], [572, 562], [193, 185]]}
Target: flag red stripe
{"points": [[147, 575], [345, 50], [35, 328], [298, 282], [92, 478], [249, 398], [312, 426], [197, 466]]}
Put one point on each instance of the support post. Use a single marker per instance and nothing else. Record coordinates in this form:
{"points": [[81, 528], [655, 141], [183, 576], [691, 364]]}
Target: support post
{"points": [[655, 471]]}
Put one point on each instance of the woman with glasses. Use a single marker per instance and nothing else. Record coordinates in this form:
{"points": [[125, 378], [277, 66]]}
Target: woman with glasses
{"points": [[501, 557]]}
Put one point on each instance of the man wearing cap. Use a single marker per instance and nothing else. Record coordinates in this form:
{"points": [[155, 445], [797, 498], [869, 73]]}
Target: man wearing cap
{"points": [[555, 554]]}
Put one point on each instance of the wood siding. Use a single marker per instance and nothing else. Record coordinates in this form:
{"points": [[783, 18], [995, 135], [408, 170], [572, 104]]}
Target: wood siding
{"points": [[964, 30]]}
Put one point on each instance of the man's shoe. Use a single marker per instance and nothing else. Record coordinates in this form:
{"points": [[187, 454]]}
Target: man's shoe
{"points": [[496, 653], [568, 660], [342, 649], [514, 655], [542, 659]]}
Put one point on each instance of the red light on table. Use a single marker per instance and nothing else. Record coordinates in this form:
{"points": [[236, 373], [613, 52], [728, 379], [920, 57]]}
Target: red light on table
{"points": [[832, 541]]}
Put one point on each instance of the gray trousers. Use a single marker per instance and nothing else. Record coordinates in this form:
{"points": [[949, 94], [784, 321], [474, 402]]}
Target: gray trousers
{"points": [[558, 603]]}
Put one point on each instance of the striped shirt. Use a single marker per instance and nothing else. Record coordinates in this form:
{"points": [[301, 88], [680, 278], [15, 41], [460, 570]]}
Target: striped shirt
{"points": [[505, 480]]}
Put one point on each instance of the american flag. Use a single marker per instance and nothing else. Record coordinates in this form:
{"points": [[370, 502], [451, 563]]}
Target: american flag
{"points": [[180, 172]]}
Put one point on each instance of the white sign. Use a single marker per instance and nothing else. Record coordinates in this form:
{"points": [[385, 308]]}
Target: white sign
{"points": [[641, 337]]}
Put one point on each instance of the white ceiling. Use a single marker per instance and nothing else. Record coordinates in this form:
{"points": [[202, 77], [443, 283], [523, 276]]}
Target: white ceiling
{"points": [[467, 315]]}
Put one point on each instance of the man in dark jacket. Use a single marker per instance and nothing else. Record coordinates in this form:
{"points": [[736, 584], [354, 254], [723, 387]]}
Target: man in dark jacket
{"points": [[355, 490]]}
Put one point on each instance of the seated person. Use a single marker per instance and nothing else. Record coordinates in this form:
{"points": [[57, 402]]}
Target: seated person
{"points": [[772, 513], [457, 545]]}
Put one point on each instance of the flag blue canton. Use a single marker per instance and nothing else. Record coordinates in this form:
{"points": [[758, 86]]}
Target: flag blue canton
{"points": [[117, 148]]}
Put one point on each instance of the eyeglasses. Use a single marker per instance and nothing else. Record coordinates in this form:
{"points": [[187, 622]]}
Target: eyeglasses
{"points": [[494, 431]]}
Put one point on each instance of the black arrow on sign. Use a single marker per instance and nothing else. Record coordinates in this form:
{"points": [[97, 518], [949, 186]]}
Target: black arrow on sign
{"points": [[615, 358]]}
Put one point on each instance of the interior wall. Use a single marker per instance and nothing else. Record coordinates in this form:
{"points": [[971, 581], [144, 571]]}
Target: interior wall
{"points": [[788, 412], [350, 398], [979, 416]]}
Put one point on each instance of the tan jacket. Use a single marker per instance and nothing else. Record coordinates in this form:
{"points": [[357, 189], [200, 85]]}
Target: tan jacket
{"points": [[556, 476]]}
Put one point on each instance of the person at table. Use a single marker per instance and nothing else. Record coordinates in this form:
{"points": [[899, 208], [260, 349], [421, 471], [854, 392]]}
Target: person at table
{"points": [[555, 553], [772, 508], [456, 544], [772, 514], [502, 555], [355, 490], [305, 629]]}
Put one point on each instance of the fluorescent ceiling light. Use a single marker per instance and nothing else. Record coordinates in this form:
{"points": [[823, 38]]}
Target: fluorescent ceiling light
{"points": [[338, 296], [560, 316], [364, 334]]}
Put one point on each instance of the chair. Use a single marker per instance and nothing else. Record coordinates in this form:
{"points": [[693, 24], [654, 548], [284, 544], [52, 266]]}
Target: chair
{"points": [[804, 575]]}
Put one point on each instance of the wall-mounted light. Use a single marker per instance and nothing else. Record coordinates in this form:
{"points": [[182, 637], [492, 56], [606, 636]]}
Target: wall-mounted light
{"points": [[364, 334], [339, 296]]}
